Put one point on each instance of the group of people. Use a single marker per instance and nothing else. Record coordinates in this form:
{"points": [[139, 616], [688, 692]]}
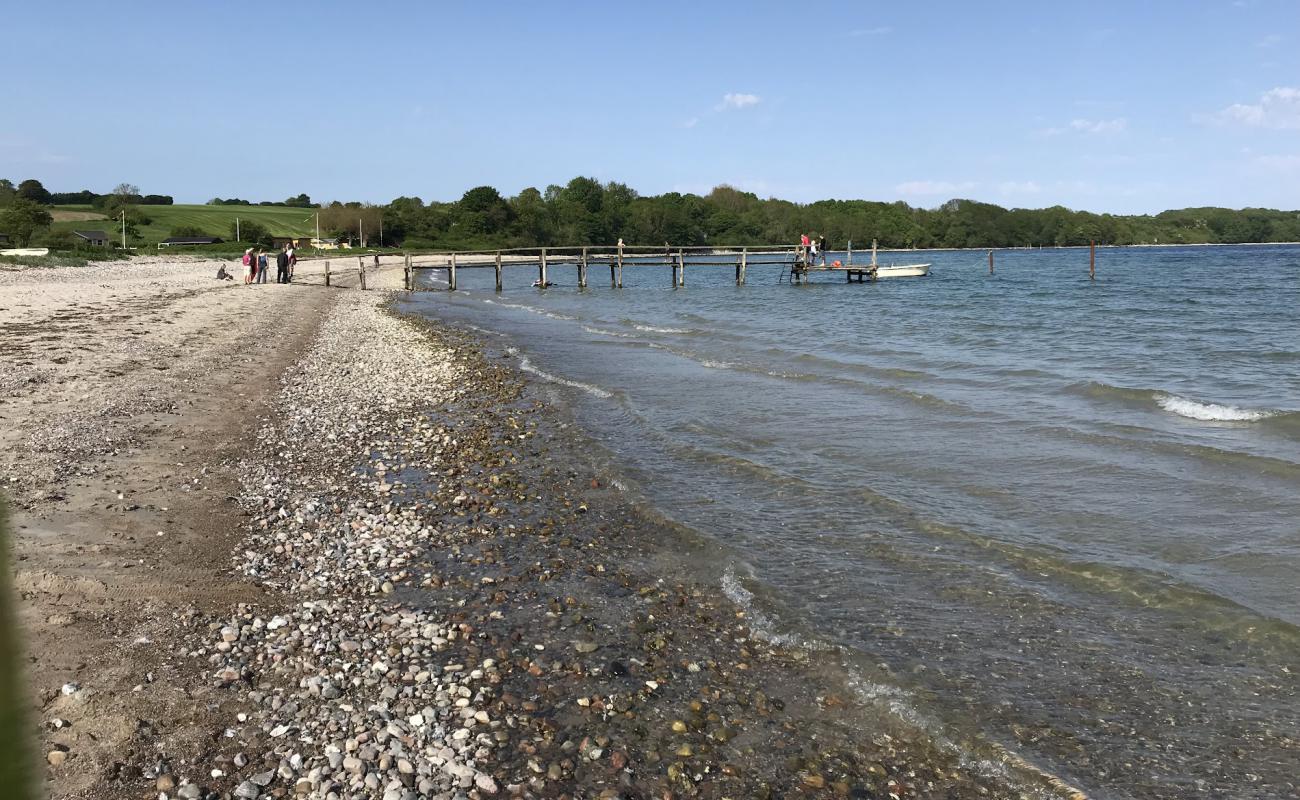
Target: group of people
{"points": [[255, 266], [813, 248]]}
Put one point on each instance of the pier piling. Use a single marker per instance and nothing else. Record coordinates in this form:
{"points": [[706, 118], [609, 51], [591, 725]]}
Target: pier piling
{"points": [[1092, 260], [990, 262], [541, 268], [451, 274], [498, 269], [582, 270]]}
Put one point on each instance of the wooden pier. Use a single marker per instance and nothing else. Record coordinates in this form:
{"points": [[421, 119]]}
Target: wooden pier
{"points": [[795, 261]]}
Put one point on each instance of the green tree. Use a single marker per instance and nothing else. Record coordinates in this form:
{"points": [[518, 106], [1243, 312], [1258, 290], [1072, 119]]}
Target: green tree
{"points": [[250, 232], [7, 191], [22, 218], [31, 189]]}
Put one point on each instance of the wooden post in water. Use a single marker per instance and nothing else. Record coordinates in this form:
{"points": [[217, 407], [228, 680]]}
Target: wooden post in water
{"points": [[990, 262], [582, 270], [406, 273], [451, 274], [327, 272], [620, 265], [1092, 260], [681, 268], [849, 259], [542, 269], [498, 270], [744, 262], [612, 283]]}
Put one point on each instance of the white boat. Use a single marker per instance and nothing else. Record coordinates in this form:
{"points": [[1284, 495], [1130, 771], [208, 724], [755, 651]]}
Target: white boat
{"points": [[903, 271], [898, 270]]}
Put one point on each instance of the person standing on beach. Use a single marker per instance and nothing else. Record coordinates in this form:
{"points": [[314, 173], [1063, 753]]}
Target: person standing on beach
{"points": [[293, 261], [282, 265], [261, 266], [250, 266]]}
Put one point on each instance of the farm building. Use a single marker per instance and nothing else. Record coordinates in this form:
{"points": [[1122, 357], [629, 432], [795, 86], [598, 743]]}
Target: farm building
{"points": [[181, 241], [96, 238]]}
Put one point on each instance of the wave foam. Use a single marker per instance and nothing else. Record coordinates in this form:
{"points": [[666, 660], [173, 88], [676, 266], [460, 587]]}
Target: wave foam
{"points": [[653, 329], [1209, 412], [594, 391], [536, 310], [603, 332]]}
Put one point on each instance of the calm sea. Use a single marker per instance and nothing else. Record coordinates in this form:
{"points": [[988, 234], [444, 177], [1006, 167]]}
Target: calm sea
{"points": [[1045, 519]]}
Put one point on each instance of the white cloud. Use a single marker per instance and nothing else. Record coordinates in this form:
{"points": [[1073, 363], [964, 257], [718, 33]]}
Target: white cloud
{"points": [[1100, 126], [732, 102], [1089, 126], [1277, 108], [933, 187], [691, 123], [1272, 40], [1019, 187], [877, 31]]}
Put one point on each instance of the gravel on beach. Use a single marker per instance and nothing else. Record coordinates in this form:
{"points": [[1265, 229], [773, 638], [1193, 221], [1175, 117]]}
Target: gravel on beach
{"points": [[466, 613]]}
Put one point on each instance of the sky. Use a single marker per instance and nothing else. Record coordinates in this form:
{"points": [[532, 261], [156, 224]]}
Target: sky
{"points": [[1108, 106]]}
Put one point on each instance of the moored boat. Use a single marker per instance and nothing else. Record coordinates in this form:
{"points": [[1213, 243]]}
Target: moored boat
{"points": [[903, 271]]}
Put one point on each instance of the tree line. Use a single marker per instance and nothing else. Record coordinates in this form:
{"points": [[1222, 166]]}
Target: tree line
{"points": [[587, 211]]}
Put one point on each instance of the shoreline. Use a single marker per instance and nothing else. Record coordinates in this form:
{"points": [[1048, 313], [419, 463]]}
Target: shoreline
{"points": [[579, 673], [436, 592]]}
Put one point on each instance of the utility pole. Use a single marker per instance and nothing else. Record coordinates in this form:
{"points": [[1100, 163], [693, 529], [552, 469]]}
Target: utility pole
{"points": [[381, 230], [237, 239], [361, 232], [124, 229], [318, 229]]}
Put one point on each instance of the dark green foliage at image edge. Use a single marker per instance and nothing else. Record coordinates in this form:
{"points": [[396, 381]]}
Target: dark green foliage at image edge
{"points": [[15, 752]]}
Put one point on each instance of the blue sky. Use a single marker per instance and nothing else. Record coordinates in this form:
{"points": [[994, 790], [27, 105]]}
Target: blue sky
{"points": [[1126, 107]]}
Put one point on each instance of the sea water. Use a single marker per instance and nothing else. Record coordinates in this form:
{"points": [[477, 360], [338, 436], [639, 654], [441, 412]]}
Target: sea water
{"points": [[1051, 520]]}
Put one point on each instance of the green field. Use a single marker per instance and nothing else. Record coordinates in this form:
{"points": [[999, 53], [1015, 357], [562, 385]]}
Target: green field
{"points": [[212, 220]]}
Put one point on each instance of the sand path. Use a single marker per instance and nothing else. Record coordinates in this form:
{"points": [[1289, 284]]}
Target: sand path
{"points": [[127, 393]]}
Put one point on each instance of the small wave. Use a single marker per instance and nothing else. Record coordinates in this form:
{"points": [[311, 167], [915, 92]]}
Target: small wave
{"points": [[1209, 412], [1174, 404], [536, 310], [595, 391], [761, 625], [603, 332], [653, 329]]}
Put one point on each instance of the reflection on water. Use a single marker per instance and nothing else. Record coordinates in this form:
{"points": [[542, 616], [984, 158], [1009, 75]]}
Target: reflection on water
{"points": [[1029, 509]]}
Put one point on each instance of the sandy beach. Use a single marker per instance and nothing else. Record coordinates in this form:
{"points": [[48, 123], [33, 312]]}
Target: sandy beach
{"points": [[280, 541]]}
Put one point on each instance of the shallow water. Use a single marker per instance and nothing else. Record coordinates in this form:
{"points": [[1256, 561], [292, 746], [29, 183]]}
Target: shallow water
{"points": [[1036, 514]]}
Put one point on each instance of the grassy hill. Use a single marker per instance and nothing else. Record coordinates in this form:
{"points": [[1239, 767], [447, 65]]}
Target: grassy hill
{"points": [[212, 220]]}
